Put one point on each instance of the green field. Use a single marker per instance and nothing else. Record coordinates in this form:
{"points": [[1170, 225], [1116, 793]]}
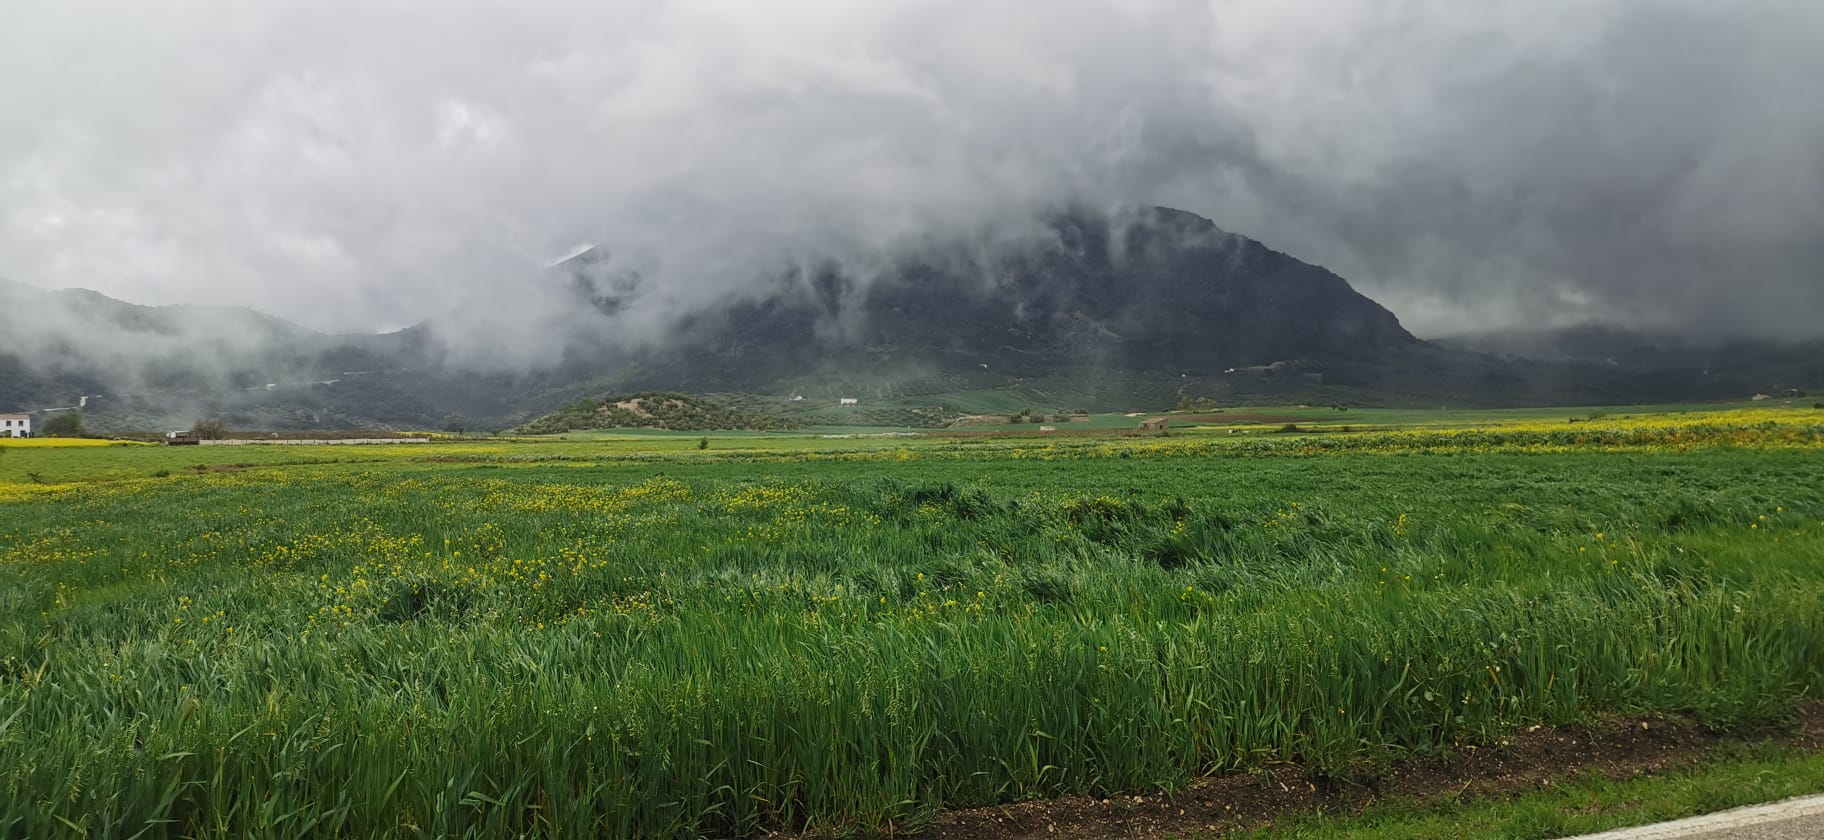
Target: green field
{"points": [[626, 635]]}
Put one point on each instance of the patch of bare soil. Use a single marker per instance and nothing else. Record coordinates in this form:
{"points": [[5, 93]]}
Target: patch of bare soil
{"points": [[636, 405], [1531, 760]]}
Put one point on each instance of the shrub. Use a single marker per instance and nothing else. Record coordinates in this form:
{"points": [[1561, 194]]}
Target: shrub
{"points": [[67, 424], [209, 430]]}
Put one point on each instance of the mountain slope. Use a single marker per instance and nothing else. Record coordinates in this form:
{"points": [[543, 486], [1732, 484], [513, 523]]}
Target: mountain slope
{"points": [[672, 412], [1643, 365], [155, 366], [1150, 291], [1127, 309]]}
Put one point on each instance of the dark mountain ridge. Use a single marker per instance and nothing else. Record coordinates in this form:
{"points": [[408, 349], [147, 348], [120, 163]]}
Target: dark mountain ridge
{"points": [[1128, 307], [1149, 291]]}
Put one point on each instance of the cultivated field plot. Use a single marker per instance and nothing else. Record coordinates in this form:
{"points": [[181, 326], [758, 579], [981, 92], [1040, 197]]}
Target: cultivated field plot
{"points": [[642, 638]]}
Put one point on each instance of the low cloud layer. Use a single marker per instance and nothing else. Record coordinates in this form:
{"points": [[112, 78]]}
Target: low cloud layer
{"points": [[365, 165]]}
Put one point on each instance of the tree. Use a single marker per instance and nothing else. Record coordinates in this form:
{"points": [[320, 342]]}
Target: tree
{"points": [[67, 424], [209, 430], [453, 424]]}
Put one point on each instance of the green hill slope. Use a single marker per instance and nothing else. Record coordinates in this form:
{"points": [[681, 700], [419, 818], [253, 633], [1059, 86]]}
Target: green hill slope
{"points": [[652, 410]]}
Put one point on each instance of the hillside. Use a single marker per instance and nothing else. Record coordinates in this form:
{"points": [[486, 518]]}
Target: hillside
{"points": [[651, 410], [1648, 364], [134, 367], [1128, 309], [1151, 291]]}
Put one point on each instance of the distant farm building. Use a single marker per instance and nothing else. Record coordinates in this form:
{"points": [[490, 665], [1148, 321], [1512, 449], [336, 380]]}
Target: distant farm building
{"points": [[16, 425], [1153, 424], [848, 401]]}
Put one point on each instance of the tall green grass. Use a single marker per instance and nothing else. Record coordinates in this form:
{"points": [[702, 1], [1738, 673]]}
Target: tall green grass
{"points": [[731, 648]]}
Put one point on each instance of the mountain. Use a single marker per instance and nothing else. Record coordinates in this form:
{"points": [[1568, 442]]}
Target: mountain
{"points": [[1591, 342], [1642, 365], [130, 366], [1143, 293], [1132, 308], [1152, 291]]}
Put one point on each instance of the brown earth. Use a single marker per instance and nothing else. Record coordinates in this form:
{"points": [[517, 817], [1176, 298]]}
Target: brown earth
{"points": [[1530, 760], [637, 405], [979, 420]]}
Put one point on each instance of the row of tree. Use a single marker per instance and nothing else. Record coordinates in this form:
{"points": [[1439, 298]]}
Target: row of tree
{"points": [[69, 424], [1026, 416]]}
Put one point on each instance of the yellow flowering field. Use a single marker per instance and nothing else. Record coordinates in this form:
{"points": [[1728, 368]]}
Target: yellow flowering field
{"points": [[62, 443]]}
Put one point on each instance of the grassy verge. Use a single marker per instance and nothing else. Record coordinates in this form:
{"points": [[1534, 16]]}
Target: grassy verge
{"points": [[1732, 777]]}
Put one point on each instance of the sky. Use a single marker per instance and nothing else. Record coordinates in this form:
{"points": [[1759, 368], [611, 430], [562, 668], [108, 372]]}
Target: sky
{"points": [[359, 165]]}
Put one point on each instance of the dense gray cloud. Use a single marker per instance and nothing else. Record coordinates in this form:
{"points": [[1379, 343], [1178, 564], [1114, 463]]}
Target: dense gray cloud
{"points": [[363, 164]]}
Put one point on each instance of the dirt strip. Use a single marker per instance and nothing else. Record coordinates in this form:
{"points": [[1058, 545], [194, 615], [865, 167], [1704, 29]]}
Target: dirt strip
{"points": [[1621, 748]]}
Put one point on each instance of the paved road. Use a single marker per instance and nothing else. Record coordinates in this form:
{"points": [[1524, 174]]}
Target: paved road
{"points": [[1793, 819]]}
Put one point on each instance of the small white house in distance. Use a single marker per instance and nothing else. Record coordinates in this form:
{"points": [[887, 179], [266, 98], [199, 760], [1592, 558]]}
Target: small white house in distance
{"points": [[847, 401], [15, 425]]}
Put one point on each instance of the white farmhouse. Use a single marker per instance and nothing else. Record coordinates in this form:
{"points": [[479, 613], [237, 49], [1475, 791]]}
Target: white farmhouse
{"points": [[847, 401], [15, 425]]}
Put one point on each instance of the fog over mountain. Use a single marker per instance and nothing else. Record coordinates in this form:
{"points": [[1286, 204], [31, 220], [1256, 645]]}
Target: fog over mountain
{"points": [[360, 166]]}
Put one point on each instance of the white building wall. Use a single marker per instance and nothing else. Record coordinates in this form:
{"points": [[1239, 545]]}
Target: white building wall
{"points": [[16, 427]]}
